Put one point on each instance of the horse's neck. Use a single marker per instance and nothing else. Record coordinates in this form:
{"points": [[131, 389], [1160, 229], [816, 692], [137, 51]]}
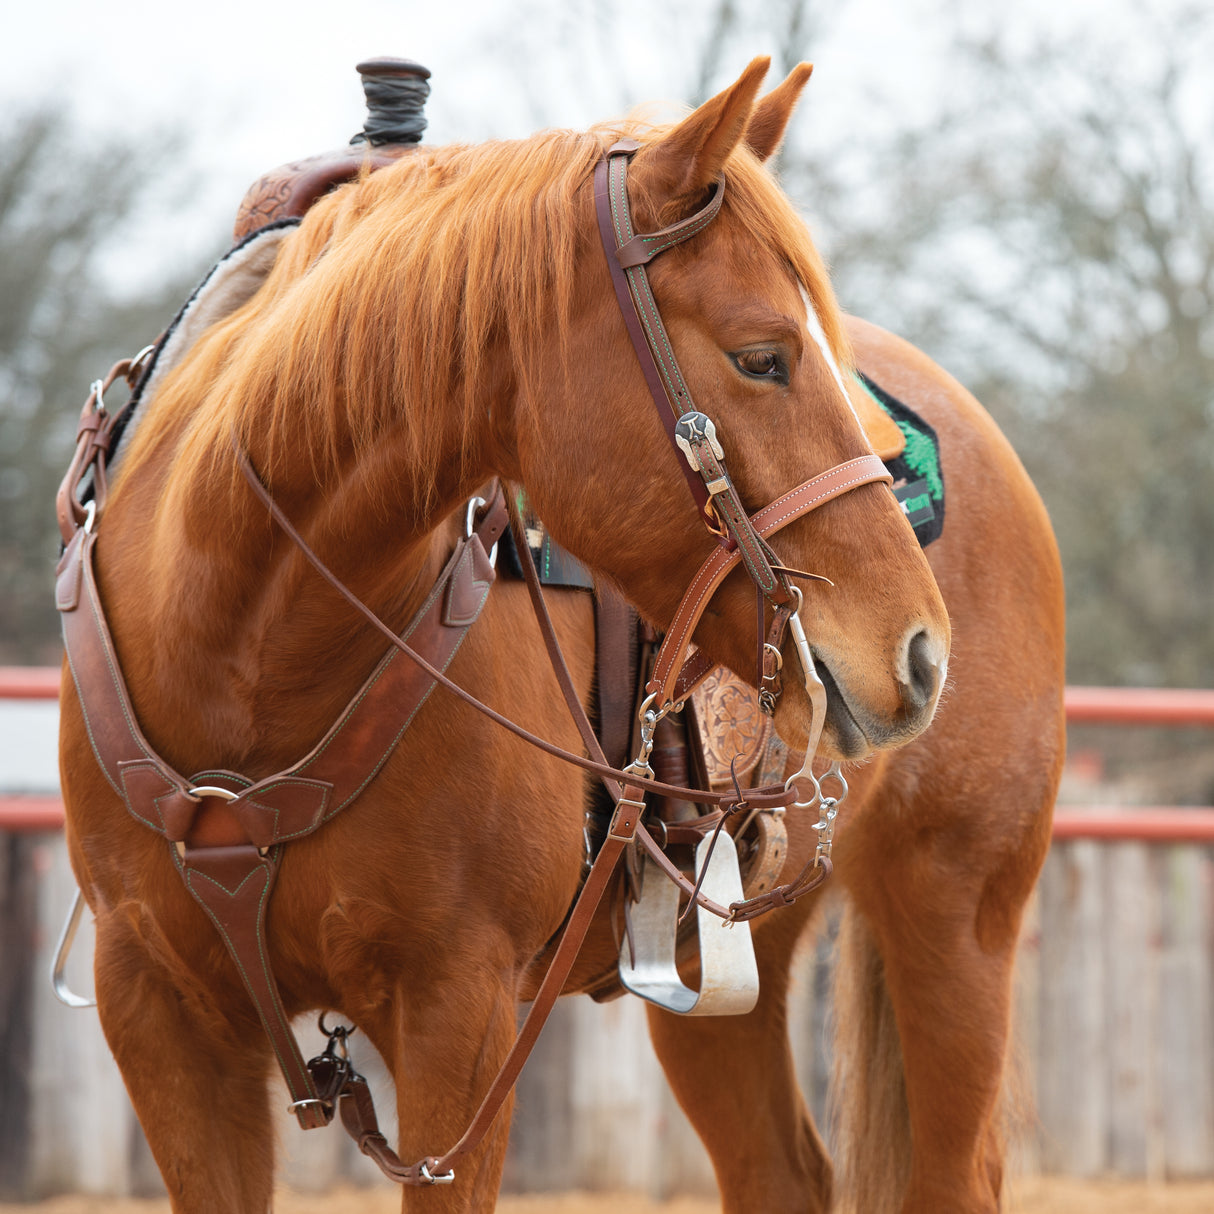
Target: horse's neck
{"points": [[223, 628]]}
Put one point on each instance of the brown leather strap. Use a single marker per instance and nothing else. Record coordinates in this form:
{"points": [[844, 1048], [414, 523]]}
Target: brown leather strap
{"points": [[623, 828], [555, 657], [295, 801], [233, 885], [814, 874], [697, 440], [692, 433], [615, 230], [765, 798], [806, 497], [616, 680], [94, 435], [231, 822]]}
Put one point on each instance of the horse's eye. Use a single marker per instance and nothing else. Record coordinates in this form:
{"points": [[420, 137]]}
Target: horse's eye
{"points": [[761, 364]]}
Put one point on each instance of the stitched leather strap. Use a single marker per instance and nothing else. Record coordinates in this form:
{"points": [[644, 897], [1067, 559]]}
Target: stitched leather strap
{"points": [[764, 798], [233, 885], [697, 440], [623, 828], [231, 861], [615, 230], [692, 434], [295, 801], [673, 679]]}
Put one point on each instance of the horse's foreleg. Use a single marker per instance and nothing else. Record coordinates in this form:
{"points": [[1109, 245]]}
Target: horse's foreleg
{"points": [[198, 1084], [444, 1041], [926, 982], [734, 1078]]}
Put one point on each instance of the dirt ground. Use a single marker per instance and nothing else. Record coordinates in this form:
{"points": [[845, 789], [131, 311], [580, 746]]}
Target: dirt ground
{"points": [[1036, 1196]]}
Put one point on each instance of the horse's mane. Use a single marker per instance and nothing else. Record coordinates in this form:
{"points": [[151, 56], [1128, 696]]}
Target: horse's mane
{"points": [[383, 308]]}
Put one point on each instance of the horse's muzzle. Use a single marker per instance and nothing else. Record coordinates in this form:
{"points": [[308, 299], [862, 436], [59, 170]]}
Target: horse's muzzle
{"points": [[855, 727]]}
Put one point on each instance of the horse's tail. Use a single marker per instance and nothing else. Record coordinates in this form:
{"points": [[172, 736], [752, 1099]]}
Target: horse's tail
{"points": [[870, 1118], [871, 1122]]}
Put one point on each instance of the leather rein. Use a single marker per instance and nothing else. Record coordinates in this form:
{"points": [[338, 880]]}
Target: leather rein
{"points": [[228, 829]]}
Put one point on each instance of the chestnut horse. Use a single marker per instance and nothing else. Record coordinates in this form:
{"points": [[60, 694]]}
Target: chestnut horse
{"points": [[447, 320]]}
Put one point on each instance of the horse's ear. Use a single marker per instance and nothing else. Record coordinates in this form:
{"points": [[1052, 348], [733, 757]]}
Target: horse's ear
{"points": [[770, 116], [690, 157]]}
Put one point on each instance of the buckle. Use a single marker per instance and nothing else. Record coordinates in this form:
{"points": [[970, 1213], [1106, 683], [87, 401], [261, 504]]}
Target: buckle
{"points": [[429, 1177]]}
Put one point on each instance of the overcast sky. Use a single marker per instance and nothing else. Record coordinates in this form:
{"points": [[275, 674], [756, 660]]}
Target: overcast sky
{"points": [[258, 85]]}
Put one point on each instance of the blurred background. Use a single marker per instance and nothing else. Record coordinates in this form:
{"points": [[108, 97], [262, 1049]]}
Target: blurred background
{"points": [[1027, 193]]}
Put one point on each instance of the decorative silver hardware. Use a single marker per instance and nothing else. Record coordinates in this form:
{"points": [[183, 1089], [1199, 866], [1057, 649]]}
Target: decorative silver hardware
{"points": [[63, 948], [690, 428]]}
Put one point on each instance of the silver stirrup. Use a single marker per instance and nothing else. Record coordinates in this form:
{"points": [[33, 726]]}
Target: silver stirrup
{"points": [[67, 936], [729, 977]]}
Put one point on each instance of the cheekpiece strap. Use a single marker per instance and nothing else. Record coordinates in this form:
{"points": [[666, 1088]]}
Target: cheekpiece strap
{"points": [[637, 304]]}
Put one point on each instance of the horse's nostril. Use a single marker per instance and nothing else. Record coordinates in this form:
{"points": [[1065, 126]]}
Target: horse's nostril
{"points": [[923, 673]]}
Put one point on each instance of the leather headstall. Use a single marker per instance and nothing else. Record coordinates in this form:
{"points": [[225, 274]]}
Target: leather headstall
{"points": [[694, 436]]}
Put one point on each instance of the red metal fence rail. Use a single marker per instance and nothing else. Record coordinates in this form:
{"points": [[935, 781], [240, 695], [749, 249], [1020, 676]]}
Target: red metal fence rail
{"points": [[1084, 705]]}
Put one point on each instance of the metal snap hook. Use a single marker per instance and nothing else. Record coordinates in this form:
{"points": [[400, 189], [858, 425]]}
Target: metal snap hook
{"points": [[649, 717], [339, 1034], [825, 826]]}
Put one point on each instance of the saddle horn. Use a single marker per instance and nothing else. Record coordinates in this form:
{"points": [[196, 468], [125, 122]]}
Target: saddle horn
{"points": [[396, 92]]}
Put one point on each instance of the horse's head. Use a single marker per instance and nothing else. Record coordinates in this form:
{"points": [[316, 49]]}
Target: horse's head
{"points": [[757, 335]]}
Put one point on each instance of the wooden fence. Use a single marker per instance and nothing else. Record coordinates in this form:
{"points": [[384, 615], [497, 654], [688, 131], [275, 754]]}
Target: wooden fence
{"points": [[1115, 1011]]}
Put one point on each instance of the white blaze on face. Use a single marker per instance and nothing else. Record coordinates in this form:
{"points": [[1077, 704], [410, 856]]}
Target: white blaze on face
{"points": [[816, 332]]}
